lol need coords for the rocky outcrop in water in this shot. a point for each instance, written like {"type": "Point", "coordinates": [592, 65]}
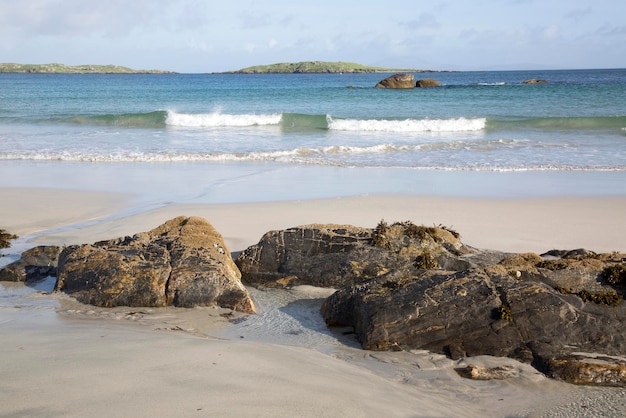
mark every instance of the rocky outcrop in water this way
{"type": "Point", "coordinates": [427, 82]}
{"type": "Point", "coordinates": [535, 81]}
{"type": "Point", "coordinates": [397, 81]}
{"type": "Point", "coordinates": [183, 262]}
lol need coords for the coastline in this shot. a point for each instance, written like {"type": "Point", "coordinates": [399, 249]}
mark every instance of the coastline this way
{"type": "Point", "coordinates": [530, 224]}
{"type": "Point", "coordinates": [62, 358]}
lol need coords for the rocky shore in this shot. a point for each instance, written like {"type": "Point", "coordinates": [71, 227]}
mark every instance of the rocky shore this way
{"type": "Point", "coordinates": [400, 286]}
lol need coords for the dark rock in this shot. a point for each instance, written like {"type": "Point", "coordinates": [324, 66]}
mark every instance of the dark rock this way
{"type": "Point", "coordinates": [427, 82]}
{"type": "Point", "coordinates": [183, 262]}
{"type": "Point", "coordinates": [397, 81]}
{"type": "Point", "coordinates": [515, 308]}
{"type": "Point", "coordinates": [535, 81]}
{"type": "Point", "coordinates": [34, 265]}
{"type": "Point", "coordinates": [341, 255]}
{"type": "Point", "coordinates": [586, 369]}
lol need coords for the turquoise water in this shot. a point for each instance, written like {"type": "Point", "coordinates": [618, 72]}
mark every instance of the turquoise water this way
{"type": "Point", "coordinates": [478, 121]}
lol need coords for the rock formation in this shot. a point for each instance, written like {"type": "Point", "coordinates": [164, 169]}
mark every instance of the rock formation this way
{"type": "Point", "coordinates": [545, 311]}
{"type": "Point", "coordinates": [341, 255]}
{"type": "Point", "coordinates": [535, 81]}
{"type": "Point", "coordinates": [427, 82]}
{"type": "Point", "coordinates": [403, 286]}
{"type": "Point", "coordinates": [183, 262]}
{"type": "Point", "coordinates": [397, 81]}
{"type": "Point", "coordinates": [34, 265]}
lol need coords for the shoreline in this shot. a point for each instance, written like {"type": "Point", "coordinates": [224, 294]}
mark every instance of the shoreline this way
{"type": "Point", "coordinates": [62, 358]}
{"type": "Point", "coordinates": [531, 224]}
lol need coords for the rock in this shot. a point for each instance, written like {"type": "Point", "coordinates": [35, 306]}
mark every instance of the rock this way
{"type": "Point", "coordinates": [403, 286]}
{"type": "Point", "coordinates": [397, 81]}
{"type": "Point", "coordinates": [427, 82]}
{"type": "Point", "coordinates": [183, 262]}
{"type": "Point", "coordinates": [510, 309]}
{"type": "Point", "coordinates": [535, 81]}
{"type": "Point", "coordinates": [341, 255]}
{"type": "Point", "coordinates": [475, 372]}
{"type": "Point", "coordinates": [587, 369]}
{"type": "Point", "coordinates": [34, 265]}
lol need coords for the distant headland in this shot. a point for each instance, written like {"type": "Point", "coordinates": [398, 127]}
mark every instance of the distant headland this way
{"type": "Point", "coordinates": [320, 67]}
{"type": "Point", "coordinates": [73, 69]}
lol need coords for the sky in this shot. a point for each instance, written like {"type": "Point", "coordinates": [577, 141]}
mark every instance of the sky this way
{"type": "Point", "coordinates": [196, 36]}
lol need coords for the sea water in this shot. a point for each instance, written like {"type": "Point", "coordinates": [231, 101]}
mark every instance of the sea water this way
{"type": "Point", "coordinates": [306, 132]}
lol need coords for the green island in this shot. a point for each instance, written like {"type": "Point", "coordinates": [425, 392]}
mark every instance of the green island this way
{"type": "Point", "coordinates": [73, 69]}
{"type": "Point", "coordinates": [319, 67]}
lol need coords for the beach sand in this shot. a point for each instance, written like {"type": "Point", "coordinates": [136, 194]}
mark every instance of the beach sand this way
{"type": "Point", "coordinates": [61, 358]}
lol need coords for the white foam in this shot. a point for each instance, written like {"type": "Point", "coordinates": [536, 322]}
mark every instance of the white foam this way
{"type": "Point", "coordinates": [408, 125]}
{"type": "Point", "coordinates": [379, 148]}
{"type": "Point", "coordinates": [218, 119]}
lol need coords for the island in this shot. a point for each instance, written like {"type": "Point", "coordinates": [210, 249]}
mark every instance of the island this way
{"type": "Point", "coordinates": [74, 69]}
{"type": "Point", "coordinates": [319, 67]}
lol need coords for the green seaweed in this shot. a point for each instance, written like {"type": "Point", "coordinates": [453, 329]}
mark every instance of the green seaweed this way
{"type": "Point", "coordinates": [615, 275]}
{"type": "Point", "coordinates": [379, 238]}
{"type": "Point", "coordinates": [602, 298]}
{"type": "Point", "coordinates": [5, 238]}
{"type": "Point", "coordinates": [608, 298]}
{"type": "Point", "coordinates": [426, 261]}
{"type": "Point", "coordinates": [504, 313]}
{"type": "Point", "coordinates": [554, 265]}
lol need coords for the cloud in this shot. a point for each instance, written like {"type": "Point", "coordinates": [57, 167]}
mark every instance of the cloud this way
{"type": "Point", "coordinates": [551, 32]}
{"type": "Point", "coordinates": [424, 21]}
{"type": "Point", "coordinates": [252, 20]}
{"type": "Point", "coordinates": [607, 30]}
{"type": "Point", "coordinates": [113, 18]}
{"type": "Point", "coordinates": [578, 14]}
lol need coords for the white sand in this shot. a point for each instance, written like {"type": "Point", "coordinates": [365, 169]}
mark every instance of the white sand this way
{"type": "Point", "coordinates": [60, 358]}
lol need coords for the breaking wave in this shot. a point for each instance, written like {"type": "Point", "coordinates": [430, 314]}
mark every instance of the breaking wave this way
{"type": "Point", "coordinates": [294, 122]}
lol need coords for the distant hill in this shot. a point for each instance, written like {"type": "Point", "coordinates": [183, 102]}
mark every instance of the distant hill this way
{"type": "Point", "coordinates": [73, 69]}
{"type": "Point", "coordinates": [318, 67]}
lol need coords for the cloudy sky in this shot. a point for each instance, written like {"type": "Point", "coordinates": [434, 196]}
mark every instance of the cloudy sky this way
{"type": "Point", "coordinates": [213, 36]}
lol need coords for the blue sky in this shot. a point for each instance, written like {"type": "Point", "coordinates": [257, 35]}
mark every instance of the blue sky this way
{"type": "Point", "coordinates": [213, 36]}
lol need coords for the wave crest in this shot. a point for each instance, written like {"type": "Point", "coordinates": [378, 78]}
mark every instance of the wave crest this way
{"type": "Point", "coordinates": [408, 125]}
{"type": "Point", "coordinates": [218, 119]}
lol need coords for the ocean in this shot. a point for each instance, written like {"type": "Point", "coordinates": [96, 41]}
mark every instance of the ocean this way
{"type": "Point", "coordinates": [333, 133]}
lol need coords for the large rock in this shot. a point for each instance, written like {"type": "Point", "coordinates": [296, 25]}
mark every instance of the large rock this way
{"type": "Point", "coordinates": [183, 262]}
{"type": "Point", "coordinates": [427, 82]}
{"type": "Point", "coordinates": [341, 255]}
{"type": "Point", "coordinates": [397, 81]}
{"type": "Point", "coordinates": [548, 311]}
{"type": "Point", "coordinates": [34, 265]}
{"type": "Point", "coordinates": [535, 81]}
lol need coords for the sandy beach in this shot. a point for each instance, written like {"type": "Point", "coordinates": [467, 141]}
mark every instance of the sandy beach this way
{"type": "Point", "coordinates": [61, 358]}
